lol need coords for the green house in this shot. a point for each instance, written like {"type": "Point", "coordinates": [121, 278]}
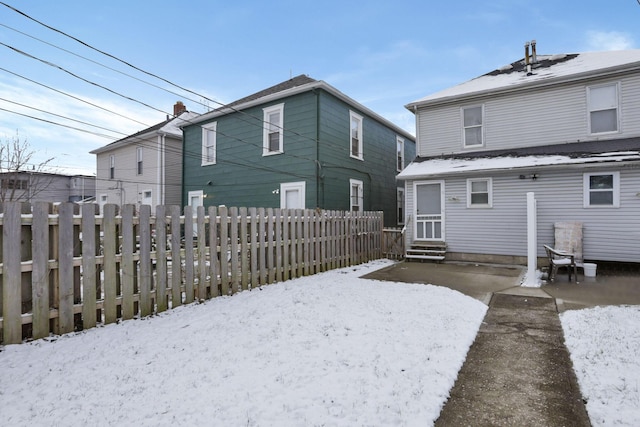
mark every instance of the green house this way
{"type": "Point", "coordinates": [301, 144]}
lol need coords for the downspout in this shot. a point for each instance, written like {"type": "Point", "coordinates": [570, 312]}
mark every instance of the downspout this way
{"type": "Point", "coordinates": [161, 176]}
{"type": "Point", "coordinates": [318, 165]}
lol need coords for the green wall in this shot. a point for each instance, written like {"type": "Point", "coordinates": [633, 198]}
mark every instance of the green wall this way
{"type": "Point", "coordinates": [243, 177]}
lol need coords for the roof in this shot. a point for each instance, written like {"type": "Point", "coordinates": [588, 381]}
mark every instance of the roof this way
{"type": "Point", "coordinates": [548, 69]}
{"type": "Point", "coordinates": [296, 85]}
{"type": "Point", "coordinates": [171, 126]}
{"type": "Point", "coordinates": [592, 152]}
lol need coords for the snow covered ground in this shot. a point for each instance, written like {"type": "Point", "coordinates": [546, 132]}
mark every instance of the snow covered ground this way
{"type": "Point", "coordinates": [604, 343]}
{"type": "Point", "coordinates": [330, 349]}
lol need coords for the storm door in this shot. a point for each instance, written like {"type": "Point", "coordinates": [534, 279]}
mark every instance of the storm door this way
{"type": "Point", "coordinates": [429, 216]}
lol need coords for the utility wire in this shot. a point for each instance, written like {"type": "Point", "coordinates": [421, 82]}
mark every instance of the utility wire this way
{"type": "Point", "coordinates": [72, 96]}
{"type": "Point", "coordinates": [105, 66]}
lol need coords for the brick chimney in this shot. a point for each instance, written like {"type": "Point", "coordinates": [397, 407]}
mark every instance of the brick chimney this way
{"type": "Point", "coordinates": [179, 108]}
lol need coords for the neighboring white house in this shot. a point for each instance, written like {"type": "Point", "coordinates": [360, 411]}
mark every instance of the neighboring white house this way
{"type": "Point", "coordinates": [144, 168]}
{"type": "Point", "coordinates": [31, 186]}
{"type": "Point", "coordinates": [565, 127]}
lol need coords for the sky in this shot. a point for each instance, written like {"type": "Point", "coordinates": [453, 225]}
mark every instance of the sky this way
{"type": "Point", "coordinates": [209, 52]}
{"type": "Point", "coordinates": [328, 349]}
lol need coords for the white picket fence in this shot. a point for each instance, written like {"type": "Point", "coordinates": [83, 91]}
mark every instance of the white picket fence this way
{"type": "Point", "coordinates": [65, 268]}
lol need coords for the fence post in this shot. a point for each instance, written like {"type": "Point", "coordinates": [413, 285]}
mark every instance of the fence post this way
{"type": "Point", "coordinates": [233, 250]}
{"type": "Point", "coordinates": [253, 246]}
{"type": "Point", "coordinates": [214, 265]}
{"type": "Point", "coordinates": [40, 270]}
{"type": "Point", "coordinates": [188, 254]}
{"type": "Point", "coordinates": [128, 264]}
{"type": "Point", "coordinates": [244, 249]}
{"type": "Point", "coordinates": [176, 261]}
{"type": "Point", "coordinates": [109, 253]}
{"type": "Point", "coordinates": [161, 258]}
{"type": "Point", "coordinates": [11, 275]}
{"type": "Point", "coordinates": [89, 268]}
{"type": "Point", "coordinates": [270, 246]}
{"type": "Point", "coordinates": [146, 305]}
{"type": "Point", "coordinates": [202, 253]}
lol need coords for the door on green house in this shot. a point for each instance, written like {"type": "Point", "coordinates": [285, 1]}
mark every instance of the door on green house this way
{"type": "Point", "coordinates": [429, 215]}
{"type": "Point", "coordinates": [292, 195]}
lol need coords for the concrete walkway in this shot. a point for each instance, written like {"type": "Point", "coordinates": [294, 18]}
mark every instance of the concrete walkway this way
{"type": "Point", "coordinates": [518, 371]}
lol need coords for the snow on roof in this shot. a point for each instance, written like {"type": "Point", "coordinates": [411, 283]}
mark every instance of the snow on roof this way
{"type": "Point", "coordinates": [547, 69]}
{"type": "Point", "coordinates": [435, 167]}
{"type": "Point", "coordinates": [173, 126]}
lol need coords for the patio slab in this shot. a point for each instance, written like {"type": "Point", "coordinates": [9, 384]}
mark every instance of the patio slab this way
{"type": "Point", "coordinates": [481, 281]}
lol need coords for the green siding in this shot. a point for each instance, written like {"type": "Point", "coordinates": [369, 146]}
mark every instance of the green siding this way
{"type": "Point", "coordinates": [243, 177]}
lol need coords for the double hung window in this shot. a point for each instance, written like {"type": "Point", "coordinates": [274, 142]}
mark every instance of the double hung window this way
{"type": "Point", "coordinates": [209, 142]}
{"type": "Point", "coordinates": [602, 189]}
{"type": "Point", "coordinates": [472, 126]}
{"type": "Point", "coordinates": [603, 108]}
{"type": "Point", "coordinates": [479, 193]}
{"type": "Point", "coordinates": [356, 195]}
{"type": "Point", "coordinates": [273, 130]}
{"type": "Point", "coordinates": [355, 129]}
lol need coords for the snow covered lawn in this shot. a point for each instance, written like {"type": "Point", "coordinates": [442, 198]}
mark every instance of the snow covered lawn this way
{"type": "Point", "coordinates": [604, 343]}
{"type": "Point", "coordinates": [330, 349]}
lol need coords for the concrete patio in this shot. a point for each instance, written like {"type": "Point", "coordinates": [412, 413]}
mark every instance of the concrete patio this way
{"type": "Point", "coordinates": [611, 286]}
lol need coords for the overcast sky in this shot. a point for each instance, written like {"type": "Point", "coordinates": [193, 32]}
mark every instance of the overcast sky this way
{"type": "Point", "coordinates": [383, 54]}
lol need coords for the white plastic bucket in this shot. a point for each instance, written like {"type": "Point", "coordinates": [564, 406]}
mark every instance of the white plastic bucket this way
{"type": "Point", "coordinates": [590, 269]}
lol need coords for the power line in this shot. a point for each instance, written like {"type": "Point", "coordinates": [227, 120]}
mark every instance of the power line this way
{"type": "Point", "coordinates": [104, 66]}
{"type": "Point", "coordinates": [72, 96]}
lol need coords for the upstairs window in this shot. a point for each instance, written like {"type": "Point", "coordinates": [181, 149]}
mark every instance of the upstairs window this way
{"type": "Point", "coordinates": [399, 154]}
{"type": "Point", "coordinates": [273, 127]}
{"type": "Point", "coordinates": [357, 195]}
{"type": "Point", "coordinates": [472, 120]}
{"type": "Point", "coordinates": [209, 136]}
{"type": "Point", "coordinates": [479, 193]}
{"type": "Point", "coordinates": [112, 166]}
{"type": "Point", "coordinates": [603, 108]}
{"type": "Point", "coordinates": [139, 160]}
{"type": "Point", "coordinates": [355, 129]}
{"type": "Point", "coordinates": [602, 189]}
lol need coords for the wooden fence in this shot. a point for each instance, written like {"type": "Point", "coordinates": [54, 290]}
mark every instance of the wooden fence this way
{"type": "Point", "coordinates": [64, 268]}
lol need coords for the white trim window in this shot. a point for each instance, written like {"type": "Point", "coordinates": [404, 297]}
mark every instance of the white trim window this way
{"type": "Point", "coordinates": [400, 205]}
{"type": "Point", "coordinates": [602, 190]}
{"type": "Point", "coordinates": [102, 200]}
{"type": "Point", "coordinates": [112, 167]}
{"type": "Point", "coordinates": [139, 161]}
{"type": "Point", "coordinates": [479, 193]}
{"type": "Point", "coordinates": [356, 195]}
{"type": "Point", "coordinates": [355, 136]}
{"type": "Point", "coordinates": [399, 153]}
{"type": "Point", "coordinates": [209, 143]}
{"type": "Point", "coordinates": [472, 126]}
{"type": "Point", "coordinates": [273, 139]}
{"type": "Point", "coordinates": [603, 105]}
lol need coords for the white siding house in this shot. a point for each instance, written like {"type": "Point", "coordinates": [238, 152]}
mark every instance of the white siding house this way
{"type": "Point", "coordinates": [144, 168]}
{"type": "Point", "coordinates": [565, 127]}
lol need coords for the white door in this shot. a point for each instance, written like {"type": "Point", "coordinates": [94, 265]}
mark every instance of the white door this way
{"type": "Point", "coordinates": [429, 215]}
{"type": "Point", "coordinates": [195, 199]}
{"type": "Point", "coordinates": [292, 195]}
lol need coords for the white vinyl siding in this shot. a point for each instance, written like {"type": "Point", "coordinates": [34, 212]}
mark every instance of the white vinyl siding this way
{"type": "Point", "coordinates": [609, 234]}
{"type": "Point", "coordinates": [355, 132]}
{"type": "Point", "coordinates": [209, 143]}
{"type": "Point", "coordinates": [603, 108]}
{"type": "Point", "coordinates": [273, 138]}
{"type": "Point", "coordinates": [544, 116]}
